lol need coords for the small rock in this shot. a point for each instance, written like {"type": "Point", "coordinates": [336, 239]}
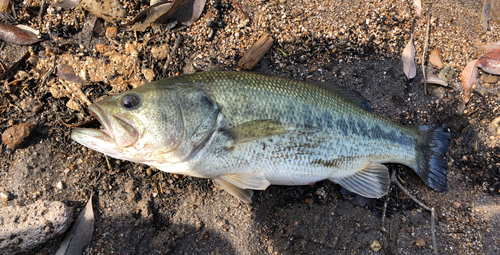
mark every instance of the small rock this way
{"type": "Point", "coordinates": [73, 105]}
{"type": "Point", "coordinates": [243, 23]}
{"type": "Point", "coordinates": [149, 75]}
{"type": "Point", "coordinates": [60, 185]}
{"type": "Point", "coordinates": [17, 135]}
{"type": "Point", "coordinates": [111, 32]}
{"type": "Point", "coordinates": [160, 52]}
{"type": "Point", "coordinates": [490, 79]}
{"type": "Point", "coordinates": [420, 242]}
{"type": "Point", "coordinates": [109, 10]}
{"type": "Point", "coordinates": [26, 227]}
{"type": "Point", "coordinates": [5, 196]}
{"type": "Point", "coordinates": [375, 246]}
{"type": "Point", "coordinates": [309, 201]}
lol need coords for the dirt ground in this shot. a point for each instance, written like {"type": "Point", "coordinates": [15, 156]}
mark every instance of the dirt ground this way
{"type": "Point", "coordinates": [357, 44]}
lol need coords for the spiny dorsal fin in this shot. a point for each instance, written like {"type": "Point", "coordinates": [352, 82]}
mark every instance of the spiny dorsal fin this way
{"type": "Point", "coordinates": [350, 95]}
{"type": "Point", "coordinates": [372, 181]}
{"type": "Point", "coordinates": [256, 129]}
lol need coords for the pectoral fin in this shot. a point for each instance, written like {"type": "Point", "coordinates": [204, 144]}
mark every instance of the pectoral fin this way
{"type": "Point", "coordinates": [241, 185]}
{"type": "Point", "coordinates": [254, 130]}
{"type": "Point", "coordinates": [372, 181]}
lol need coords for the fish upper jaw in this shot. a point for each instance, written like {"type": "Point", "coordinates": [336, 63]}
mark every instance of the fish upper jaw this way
{"type": "Point", "coordinates": [118, 129]}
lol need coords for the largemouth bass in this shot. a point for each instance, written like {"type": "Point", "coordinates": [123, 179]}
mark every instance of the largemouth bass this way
{"type": "Point", "coordinates": [247, 131]}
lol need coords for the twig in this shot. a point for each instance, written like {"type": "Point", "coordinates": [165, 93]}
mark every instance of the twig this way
{"type": "Point", "coordinates": [433, 215]}
{"type": "Point", "coordinates": [384, 210]}
{"type": "Point", "coordinates": [395, 180]}
{"type": "Point", "coordinates": [425, 48]}
{"type": "Point", "coordinates": [241, 9]}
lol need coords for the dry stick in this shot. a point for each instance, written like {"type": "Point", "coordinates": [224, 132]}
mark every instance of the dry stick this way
{"type": "Point", "coordinates": [425, 47]}
{"type": "Point", "coordinates": [384, 210]}
{"type": "Point", "coordinates": [394, 179]}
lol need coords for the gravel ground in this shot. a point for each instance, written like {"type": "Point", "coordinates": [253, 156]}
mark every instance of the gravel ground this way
{"type": "Point", "coordinates": [357, 44]}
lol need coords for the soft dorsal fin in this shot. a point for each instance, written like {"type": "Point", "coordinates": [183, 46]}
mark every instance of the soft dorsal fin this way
{"type": "Point", "coordinates": [256, 129]}
{"type": "Point", "coordinates": [371, 181]}
{"type": "Point", "coordinates": [350, 95]}
{"type": "Point", "coordinates": [241, 185]}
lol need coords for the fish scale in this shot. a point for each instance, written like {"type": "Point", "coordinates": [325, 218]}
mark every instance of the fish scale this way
{"type": "Point", "coordinates": [248, 130]}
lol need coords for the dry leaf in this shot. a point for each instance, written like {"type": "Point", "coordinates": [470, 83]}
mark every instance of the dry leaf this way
{"type": "Point", "coordinates": [190, 12]}
{"type": "Point", "coordinates": [433, 79]}
{"type": "Point", "coordinates": [469, 77]}
{"type": "Point", "coordinates": [17, 35]}
{"type": "Point", "coordinates": [435, 59]}
{"type": "Point", "coordinates": [80, 233]}
{"type": "Point", "coordinates": [418, 7]}
{"type": "Point", "coordinates": [67, 73]}
{"type": "Point", "coordinates": [490, 62]}
{"type": "Point", "coordinates": [409, 65]}
{"type": "Point", "coordinates": [485, 16]}
{"type": "Point", "coordinates": [487, 46]}
{"type": "Point", "coordinates": [157, 14]}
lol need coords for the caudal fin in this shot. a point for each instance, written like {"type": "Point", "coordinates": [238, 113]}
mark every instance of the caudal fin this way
{"type": "Point", "coordinates": [431, 165]}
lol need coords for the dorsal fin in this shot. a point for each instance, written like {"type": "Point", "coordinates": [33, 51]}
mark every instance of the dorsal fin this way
{"type": "Point", "coordinates": [350, 95]}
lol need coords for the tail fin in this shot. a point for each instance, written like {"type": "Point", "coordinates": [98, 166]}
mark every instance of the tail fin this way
{"type": "Point", "coordinates": [431, 165]}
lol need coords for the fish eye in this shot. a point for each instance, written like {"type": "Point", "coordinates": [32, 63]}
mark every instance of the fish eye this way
{"type": "Point", "coordinates": [130, 101]}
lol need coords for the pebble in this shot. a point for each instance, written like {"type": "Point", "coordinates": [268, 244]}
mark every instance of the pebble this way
{"type": "Point", "coordinates": [25, 227]}
{"type": "Point", "coordinates": [111, 32]}
{"type": "Point", "coordinates": [490, 79]}
{"type": "Point", "coordinates": [17, 135]}
{"type": "Point", "coordinates": [420, 242]}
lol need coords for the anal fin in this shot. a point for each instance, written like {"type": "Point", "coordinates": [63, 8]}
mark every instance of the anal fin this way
{"type": "Point", "coordinates": [241, 185]}
{"type": "Point", "coordinates": [371, 181]}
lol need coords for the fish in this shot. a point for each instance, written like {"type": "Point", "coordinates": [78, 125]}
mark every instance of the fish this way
{"type": "Point", "coordinates": [247, 131]}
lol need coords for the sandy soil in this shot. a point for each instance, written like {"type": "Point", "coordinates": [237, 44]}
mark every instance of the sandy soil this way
{"type": "Point", "coordinates": [357, 44]}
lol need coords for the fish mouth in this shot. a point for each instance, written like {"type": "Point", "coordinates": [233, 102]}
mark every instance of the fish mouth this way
{"type": "Point", "coordinates": [117, 132]}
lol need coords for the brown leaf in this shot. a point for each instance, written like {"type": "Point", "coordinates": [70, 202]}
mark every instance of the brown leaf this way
{"type": "Point", "coordinates": [490, 62]}
{"type": "Point", "coordinates": [409, 66]}
{"type": "Point", "coordinates": [80, 233]}
{"type": "Point", "coordinates": [67, 73]}
{"type": "Point", "coordinates": [16, 35]}
{"type": "Point", "coordinates": [418, 7]}
{"type": "Point", "coordinates": [485, 16]}
{"type": "Point", "coordinates": [433, 79]}
{"type": "Point", "coordinates": [190, 12]}
{"type": "Point", "coordinates": [156, 14]}
{"type": "Point", "coordinates": [469, 77]}
{"type": "Point", "coordinates": [435, 59]}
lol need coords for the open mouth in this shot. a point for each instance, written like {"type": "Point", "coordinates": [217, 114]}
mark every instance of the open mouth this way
{"type": "Point", "coordinates": [116, 128]}
{"type": "Point", "coordinates": [98, 113]}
